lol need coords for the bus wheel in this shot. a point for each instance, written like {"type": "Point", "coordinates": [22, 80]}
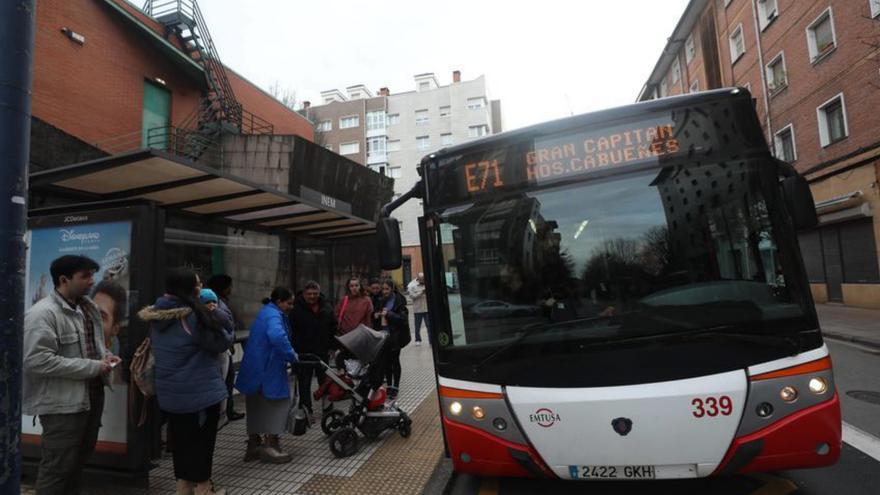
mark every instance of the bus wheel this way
{"type": "Point", "coordinates": [332, 422]}
{"type": "Point", "coordinates": [344, 442]}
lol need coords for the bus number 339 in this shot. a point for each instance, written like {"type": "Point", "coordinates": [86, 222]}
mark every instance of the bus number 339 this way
{"type": "Point", "coordinates": [712, 406]}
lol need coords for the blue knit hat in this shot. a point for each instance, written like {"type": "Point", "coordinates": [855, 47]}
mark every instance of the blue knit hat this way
{"type": "Point", "coordinates": [207, 296]}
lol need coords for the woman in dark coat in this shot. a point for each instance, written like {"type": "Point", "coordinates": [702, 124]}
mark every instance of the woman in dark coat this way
{"type": "Point", "coordinates": [186, 340]}
{"type": "Point", "coordinates": [394, 319]}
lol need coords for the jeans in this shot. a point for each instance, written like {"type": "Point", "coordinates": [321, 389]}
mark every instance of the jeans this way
{"type": "Point", "coordinates": [420, 317]}
{"type": "Point", "coordinates": [67, 442]}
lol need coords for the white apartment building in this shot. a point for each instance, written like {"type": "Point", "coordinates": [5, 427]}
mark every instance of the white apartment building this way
{"type": "Point", "coordinates": [411, 125]}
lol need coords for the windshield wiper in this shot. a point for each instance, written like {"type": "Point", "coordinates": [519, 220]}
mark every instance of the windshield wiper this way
{"type": "Point", "coordinates": [788, 343]}
{"type": "Point", "coordinates": [530, 330]}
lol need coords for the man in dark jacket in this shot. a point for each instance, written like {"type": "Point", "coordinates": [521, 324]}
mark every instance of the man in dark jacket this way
{"type": "Point", "coordinates": [313, 324]}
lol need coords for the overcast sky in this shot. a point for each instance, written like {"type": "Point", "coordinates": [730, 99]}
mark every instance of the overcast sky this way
{"type": "Point", "coordinates": [543, 60]}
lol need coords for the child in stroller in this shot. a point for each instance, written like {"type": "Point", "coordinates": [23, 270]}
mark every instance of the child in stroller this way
{"type": "Point", "coordinates": [369, 412]}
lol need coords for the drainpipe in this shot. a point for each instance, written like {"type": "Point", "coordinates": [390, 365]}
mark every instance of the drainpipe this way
{"type": "Point", "coordinates": [16, 74]}
{"type": "Point", "coordinates": [763, 74]}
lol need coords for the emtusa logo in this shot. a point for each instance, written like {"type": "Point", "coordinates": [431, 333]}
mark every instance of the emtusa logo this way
{"type": "Point", "coordinates": [544, 417]}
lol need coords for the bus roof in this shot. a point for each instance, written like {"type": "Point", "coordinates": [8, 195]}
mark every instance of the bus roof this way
{"type": "Point", "coordinates": [597, 117]}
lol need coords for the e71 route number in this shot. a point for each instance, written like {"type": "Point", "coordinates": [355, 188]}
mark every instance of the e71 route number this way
{"type": "Point", "coordinates": [712, 406]}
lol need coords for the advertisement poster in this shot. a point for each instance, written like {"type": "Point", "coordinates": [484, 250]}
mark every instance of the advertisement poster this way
{"type": "Point", "coordinates": [109, 244]}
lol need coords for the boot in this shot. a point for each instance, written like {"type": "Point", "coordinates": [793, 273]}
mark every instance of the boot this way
{"type": "Point", "coordinates": [207, 488]}
{"type": "Point", "coordinates": [254, 448]}
{"type": "Point", "coordinates": [185, 487]}
{"type": "Point", "coordinates": [272, 452]}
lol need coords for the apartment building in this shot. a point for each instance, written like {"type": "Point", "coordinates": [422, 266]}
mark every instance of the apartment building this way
{"type": "Point", "coordinates": [390, 133]}
{"type": "Point", "coordinates": [813, 70]}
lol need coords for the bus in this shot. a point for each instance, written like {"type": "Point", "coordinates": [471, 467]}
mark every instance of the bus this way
{"type": "Point", "coordinates": [620, 295]}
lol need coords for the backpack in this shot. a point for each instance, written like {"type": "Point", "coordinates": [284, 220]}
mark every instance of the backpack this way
{"type": "Point", "coordinates": [143, 378]}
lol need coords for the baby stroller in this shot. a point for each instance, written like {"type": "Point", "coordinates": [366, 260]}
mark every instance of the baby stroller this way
{"type": "Point", "coordinates": [369, 413]}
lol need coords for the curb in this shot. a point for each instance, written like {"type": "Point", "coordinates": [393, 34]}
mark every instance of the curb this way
{"type": "Point", "coordinates": [872, 343]}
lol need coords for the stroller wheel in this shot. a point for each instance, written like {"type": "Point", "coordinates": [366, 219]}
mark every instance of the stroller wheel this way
{"type": "Point", "coordinates": [332, 421]}
{"type": "Point", "coordinates": [404, 427]}
{"type": "Point", "coordinates": [344, 442]}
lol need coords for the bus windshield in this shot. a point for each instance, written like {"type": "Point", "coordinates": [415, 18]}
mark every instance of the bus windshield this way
{"type": "Point", "coordinates": [586, 284]}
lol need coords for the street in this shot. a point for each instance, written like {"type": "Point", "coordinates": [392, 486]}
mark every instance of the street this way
{"type": "Point", "coordinates": [856, 368]}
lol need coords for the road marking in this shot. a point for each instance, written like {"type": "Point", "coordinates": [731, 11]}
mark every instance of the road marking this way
{"type": "Point", "coordinates": [489, 486]}
{"type": "Point", "coordinates": [774, 485]}
{"type": "Point", "coordinates": [867, 443]}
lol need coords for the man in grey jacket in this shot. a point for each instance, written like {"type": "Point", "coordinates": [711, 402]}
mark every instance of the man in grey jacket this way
{"type": "Point", "coordinates": [416, 290]}
{"type": "Point", "coordinates": [65, 371]}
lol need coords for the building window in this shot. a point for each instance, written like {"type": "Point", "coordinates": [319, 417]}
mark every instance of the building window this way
{"type": "Point", "coordinates": [821, 39]}
{"type": "Point", "coordinates": [664, 90]}
{"type": "Point", "coordinates": [376, 120]}
{"type": "Point", "coordinates": [676, 70]}
{"type": "Point", "coordinates": [690, 49]}
{"type": "Point", "coordinates": [394, 145]}
{"type": "Point", "coordinates": [376, 145]}
{"type": "Point", "coordinates": [832, 121]}
{"type": "Point", "coordinates": [776, 75]}
{"type": "Point", "coordinates": [329, 147]}
{"type": "Point", "coordinates": [476, 103]}
{"type": "Point", "coordinates": [784, 144]}
{"type": "Point", "coordinates": [875, 7]}
{"type": "Point", "coordinates": [393, 119]}
{"type": "Point", "coordinates": [349, 122]}
{"type": "Point", "coordinates": [423, 143]}
{"type": "Point", "coordinates": [325, 126]}
{"type": "Point", "coordinates": [445, 139]}
{"type": "Point", "coordinates": [393, 172]}
{"type": "Point", "coordinates": [349, 148]}
{"type": "Point", "coordinates": [424, 86]}
{"type": "Point", "coordinates": [421, 117]}
{"type": "Point", "coordinates": [446, 111]}
{"type": "Point", "coordinates": [737, 44]}
{"type": "Point", "coordinates": [355, 96]}
{"type": "Point", "coordinates": [478, 130]}
{"type": "Point", "coordinates": [695, 86]}
{"type": "Point", "coordinates": [767, 12]}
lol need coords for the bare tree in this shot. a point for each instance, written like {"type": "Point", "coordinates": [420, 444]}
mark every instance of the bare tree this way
{"type": "Point", "coordinates": [285, 95]}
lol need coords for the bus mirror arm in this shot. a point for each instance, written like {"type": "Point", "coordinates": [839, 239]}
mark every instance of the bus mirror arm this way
{"type": "Point", "coordinates": [798, 197]}
{"type": "Point", "coordinates": [388, 230]}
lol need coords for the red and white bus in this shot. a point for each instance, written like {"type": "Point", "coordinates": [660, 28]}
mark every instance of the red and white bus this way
{"type": "Point", "coordinates": [620, 295]}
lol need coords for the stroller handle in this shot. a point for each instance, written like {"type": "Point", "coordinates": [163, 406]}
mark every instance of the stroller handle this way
{"type": "Point", "coordinates": [308, 358]}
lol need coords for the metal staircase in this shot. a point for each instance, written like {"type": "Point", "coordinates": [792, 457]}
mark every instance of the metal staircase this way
{"type": "Point", "coordinates": [182, 18]}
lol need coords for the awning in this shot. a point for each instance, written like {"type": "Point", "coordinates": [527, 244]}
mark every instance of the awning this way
{"type": "Point", "coordinates": [192, 189]}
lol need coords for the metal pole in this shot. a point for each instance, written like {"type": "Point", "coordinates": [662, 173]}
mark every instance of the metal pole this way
{"type": "Point", "coordinates": [16, 73]}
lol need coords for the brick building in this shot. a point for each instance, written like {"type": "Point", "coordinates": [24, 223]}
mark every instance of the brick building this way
{"type": "Point", "coordinates": [812, 67]}
{"type": "Point", "coordinates": [390, 133]}
{"type": "Point", "coordinates": [112, 79]}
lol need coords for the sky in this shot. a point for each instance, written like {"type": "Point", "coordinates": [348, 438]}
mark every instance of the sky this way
{"type": "Point", "coordinates": [544, 60]}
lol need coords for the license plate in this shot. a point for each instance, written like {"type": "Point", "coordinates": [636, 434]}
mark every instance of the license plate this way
{"type": "Point", "coordinates": [612, 472]}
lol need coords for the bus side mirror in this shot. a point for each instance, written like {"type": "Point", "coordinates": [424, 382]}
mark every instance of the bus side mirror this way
{"type": "Point", "coordinates": [799, 200]}
{"type": "Point", "coordinates": [388, 231]}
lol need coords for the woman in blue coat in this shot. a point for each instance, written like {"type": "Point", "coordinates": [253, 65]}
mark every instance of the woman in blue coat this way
{"type": "Point", "coordinates": [262, 378]}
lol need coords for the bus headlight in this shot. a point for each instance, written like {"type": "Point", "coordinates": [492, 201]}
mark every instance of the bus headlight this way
{"type": "Point", "coordinates": [478, 413]}
{"type": "Point", "coordinates": [788, 393]}
{"type": "Point", "coordinates": [818, 385]}
{"type": "Point", "coordinates": [455, 408]}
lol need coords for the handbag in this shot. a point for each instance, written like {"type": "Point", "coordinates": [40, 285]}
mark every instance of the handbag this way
{"type": "Point", "coordinates": [142, 378]}
{"type": "Point", "coordinates": [297, 418]}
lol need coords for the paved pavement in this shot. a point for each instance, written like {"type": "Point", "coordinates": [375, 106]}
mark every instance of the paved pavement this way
{"type": "Point", "coordinates": [858, 325]}
{"type": "Point", "coordinates": [389, 465]}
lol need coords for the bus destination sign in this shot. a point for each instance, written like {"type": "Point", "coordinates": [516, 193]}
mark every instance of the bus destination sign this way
{"type": "Point", "coordinates": [570, 155]}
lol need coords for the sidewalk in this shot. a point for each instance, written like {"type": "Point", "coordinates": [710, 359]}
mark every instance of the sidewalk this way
{"type": "Point", "coordinates": [390, 465]}
{"type": "Point", "coordinates": [858, 325]}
